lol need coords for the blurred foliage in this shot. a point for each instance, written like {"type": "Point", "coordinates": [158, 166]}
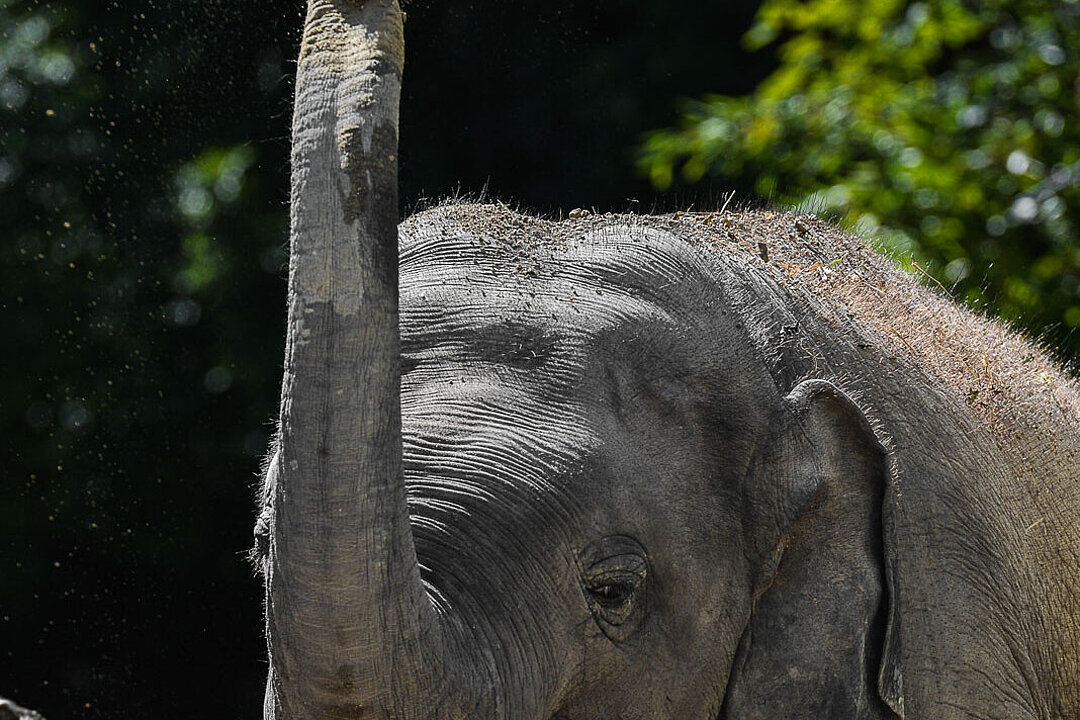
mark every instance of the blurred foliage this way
{"type": "Point", "coordinates": [143, 221]}
{"type": "Point", "coordinates": [140, 250]}
{"type": "Point", "coordinates": [946, 129]}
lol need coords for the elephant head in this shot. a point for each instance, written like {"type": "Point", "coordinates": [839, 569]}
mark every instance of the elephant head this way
{"type": "Point", "coordinates": [570, 488]}
{"type": "Point", "coordinates": [603, 475]}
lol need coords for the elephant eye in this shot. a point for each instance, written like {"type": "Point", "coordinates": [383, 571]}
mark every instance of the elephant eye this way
{"type": "Point", "coordinates": [613, 579]}
{"type": "Point", "coordinates": [612, 594]}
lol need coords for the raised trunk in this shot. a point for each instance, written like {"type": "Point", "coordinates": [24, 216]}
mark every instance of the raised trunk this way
{"type": "Point", "coordinates": [346, 610]}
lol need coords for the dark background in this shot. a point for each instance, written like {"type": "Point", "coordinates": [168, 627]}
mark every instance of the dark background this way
{"type": "Point", "coordinates": [143, 218]}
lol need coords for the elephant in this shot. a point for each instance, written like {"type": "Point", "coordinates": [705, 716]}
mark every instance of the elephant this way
{"type": "Point", "coordinates": [720, 465]}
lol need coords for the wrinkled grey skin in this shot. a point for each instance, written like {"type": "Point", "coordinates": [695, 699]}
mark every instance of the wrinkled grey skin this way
{"type": "Point", "coordinates": [615, 380]}
{"type": "Point", "coordinates": [599, 423]}
{"type": "Point", "coordinates": [608, 472]}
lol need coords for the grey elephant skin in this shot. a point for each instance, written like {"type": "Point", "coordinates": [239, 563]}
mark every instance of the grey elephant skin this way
{"type": "Point", "coordinates": [709, 465]}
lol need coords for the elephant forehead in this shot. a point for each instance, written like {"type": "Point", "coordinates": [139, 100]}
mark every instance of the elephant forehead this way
{"type": "Point", "coordinates": [472, 435]}
{"type": "Point", "coordinates": [466, 295]}
{"type": "Point", "coordinates": [530, 357]}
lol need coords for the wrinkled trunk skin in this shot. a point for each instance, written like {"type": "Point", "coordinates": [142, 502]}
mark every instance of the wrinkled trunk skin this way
{"type": "Point", "coordinates": [350, 629]}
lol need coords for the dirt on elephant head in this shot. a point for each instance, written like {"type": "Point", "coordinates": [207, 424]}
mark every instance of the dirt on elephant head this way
{"type": "Point", "coordinates": [1026, 399]}
{"type": "Point", "coordinates": [1010, 383]}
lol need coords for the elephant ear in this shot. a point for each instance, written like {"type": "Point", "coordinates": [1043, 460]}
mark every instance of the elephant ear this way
{"type": "Point", "coordinates": [823, 638]}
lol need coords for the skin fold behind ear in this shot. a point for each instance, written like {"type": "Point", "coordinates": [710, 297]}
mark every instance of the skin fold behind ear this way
{"type": "Point", "coordinates": [822, 640]}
